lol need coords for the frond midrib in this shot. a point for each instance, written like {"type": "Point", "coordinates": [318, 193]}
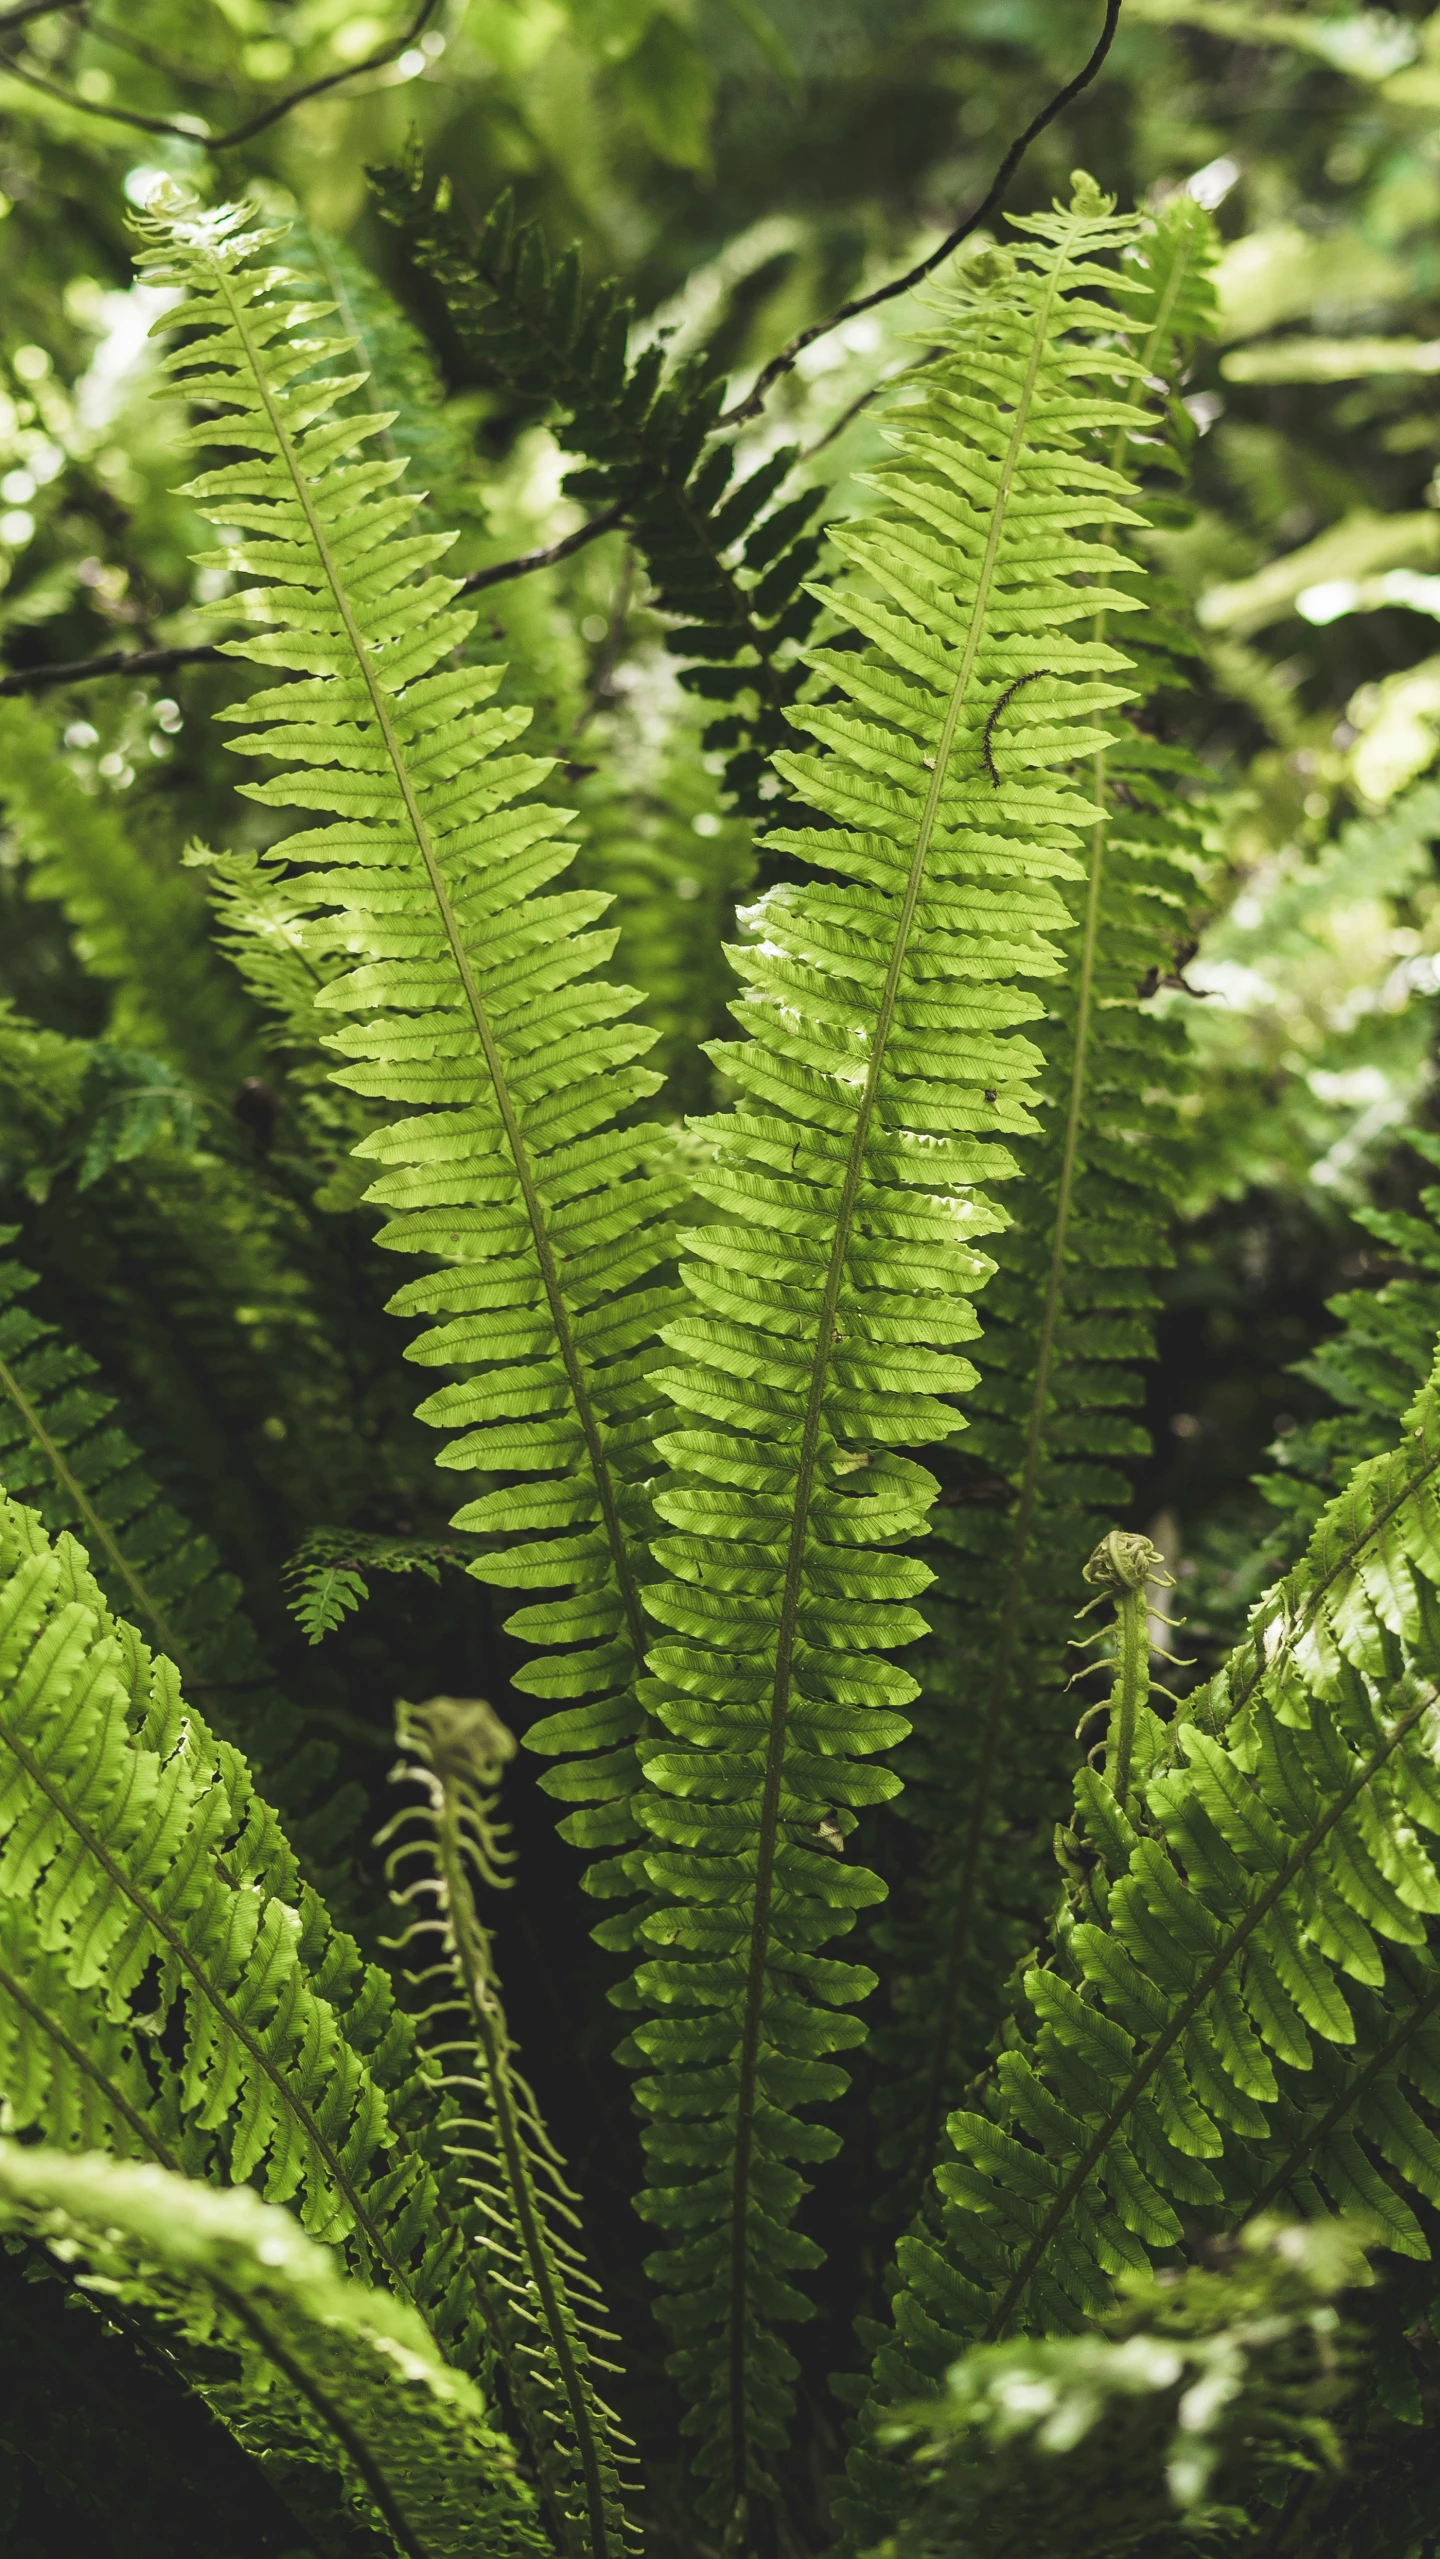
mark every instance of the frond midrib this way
{"type": "Point", "coordinates": [75, 2053]}
{"type": "Point", "coordinates": [534, 2237]}
{"type": "Point", "coordinates": [97, 1526]}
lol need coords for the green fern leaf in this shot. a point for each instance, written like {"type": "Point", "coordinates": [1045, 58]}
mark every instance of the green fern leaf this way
{"type": "Point", "coordinates": [61, 1449]}
{"type": "Point", "coordinates": [479, 1014]}
{"type": "Point", "coordinates": [730, 559]}
{"type": "Point", "coordinates": [324, 2370]}
{"type": "Point", "coordinates": [882, 1068]}
{"type": "Point", "coordinates": [1241, 2001]}
{"type": "Point", "coordinates": [327, 1573]}
{"type": "Point", "coordinates": [1068, 1329]}
{"type": "Point", "coordinates": [137, 925]}
{"type": "Point", "coordinates": [161, 1894]}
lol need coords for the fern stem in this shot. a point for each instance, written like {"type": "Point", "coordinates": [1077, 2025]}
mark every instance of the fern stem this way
{"type": "Point", "coordinates": [473, 1958]}
{"type": "Point", "coordinates": [328, 2409]}
{"type": "Point", "coordinates": [289, 2101]}
{"type": "Point", "coordinates": [998, 1699]}
{"type": "Point", "coordinates": [85, 1510]}
{"type": "Point", "coordinates": [80, 2060]}
{"type": "Point", "coordinates": [1190, 2006]}
{"type": "Point", "coordinates": [826, 1334]}
{"type": "Point", "coordinates": [495, 1064]}
{"type": "Point", "coordinates": [1349, 2097]}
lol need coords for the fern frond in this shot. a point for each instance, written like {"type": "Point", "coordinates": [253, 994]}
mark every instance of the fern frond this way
{"type": "Point", "coordinates": [62, 1450]}
{"type": "Point", "coordinates": [1194, 2408]}
{"type": "Point", "coordinates": [730, 559]}
{"type": "Point", "coordinates": [327, 1573]}
{"type": "Point", "coordinates": [1369, 1370]}
{"type": "Point", "coordinates": [882, 1065]}
{"type": "Point", "coordinates": [312, 2367]}
{"type": "Point", "coordinates": [165, 1900]}
{"type": "Point", "coordinates": [479, 1016]}
{"type": "Point", "coordinates": [446, 1846]}
{"type": "Point", "coordinates": [1242, 2002]}
{"type": "Point", "coordinates": [1069, 1321]}
{"type": "Point", "coordinates": [138, 924]}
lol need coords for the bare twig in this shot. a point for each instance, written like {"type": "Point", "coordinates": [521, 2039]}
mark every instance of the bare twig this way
{"type": "Point", "coordinates": [546, 559]}
{"type": "Point", "coordinates": [28, 9]}
{"type": "Point", "coordinates": [43, 679]}
{"type": "Point", "coordinates": [186, 132]}
{"type": "Point", "coordinates": [782, 363]}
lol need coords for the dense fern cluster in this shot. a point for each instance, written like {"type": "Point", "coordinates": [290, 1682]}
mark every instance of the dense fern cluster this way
{"type": "Point", "coordinates": [796, 1433]}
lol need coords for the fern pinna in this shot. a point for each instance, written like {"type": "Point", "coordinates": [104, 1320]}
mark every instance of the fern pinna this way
{"type": "Point", "coordinates": [480, 1017]}
{"type": "Point", "coordinates": [880, 1072]}
{"type": "Point", "coordinates": [1241, 2000]}
{"type": "Point", "coordinates": [728, 560]}
{"type": "Point", "coordinates": [1068, 1325]}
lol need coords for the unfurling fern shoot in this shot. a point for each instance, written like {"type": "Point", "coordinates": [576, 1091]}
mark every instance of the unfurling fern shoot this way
{"type": "Point", "coordinates": [545, 2302]}
{"type": "Point", "coordinates": [881, 1072]}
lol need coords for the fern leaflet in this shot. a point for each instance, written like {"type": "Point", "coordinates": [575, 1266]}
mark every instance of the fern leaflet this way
{"type": "Point", "coordinates": [1068, 1322]}
{"type": "Point", "coordinates": [1242, 2002]}
{"type": "Point", "coordinates": [158, 1882]}
{"type": "Point", "coordinates": [61, 1449]}
{"type": "Point", "coordinates": [727, 559]}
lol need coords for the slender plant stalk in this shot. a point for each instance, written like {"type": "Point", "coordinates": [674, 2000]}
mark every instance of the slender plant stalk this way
{"type": "Point", "coordinates": [810, 1435]}
{"type": "Point", "coordinates": [472, 1955]}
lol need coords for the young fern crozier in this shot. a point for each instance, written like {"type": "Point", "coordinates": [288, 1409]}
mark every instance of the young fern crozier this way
{"type": "Point", "coordinates": [547, 2303]}
{"type": "Point", "coordinates": [880, 1072]}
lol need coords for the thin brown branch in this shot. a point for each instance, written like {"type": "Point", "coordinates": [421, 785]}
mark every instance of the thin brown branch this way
{"type": "Point", "coordinates": [43, 679]}
{"type": "Point", "coordinates": [784, 362]}
{"type": "Point", "coordinates": [187, 131]}
{"type": "Point", "coordinates": [504, 570]}
{"type": "Point", "coordinates": [29, 9]}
